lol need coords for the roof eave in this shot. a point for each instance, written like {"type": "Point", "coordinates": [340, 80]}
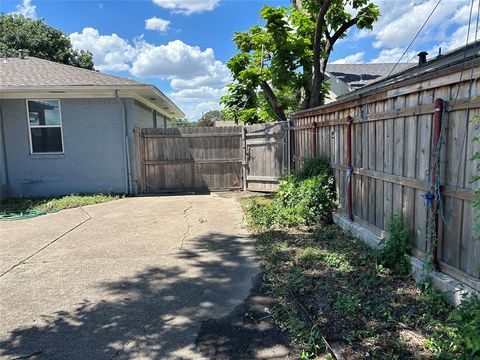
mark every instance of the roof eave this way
{"type": "Point", "coordinates": [143, 93]}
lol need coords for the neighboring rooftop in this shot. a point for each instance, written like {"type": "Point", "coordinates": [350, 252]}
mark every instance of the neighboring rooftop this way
{"type": "Point", "coordinates": [360, 75]}
{"type": "Point", "coordinates": [35, 72]}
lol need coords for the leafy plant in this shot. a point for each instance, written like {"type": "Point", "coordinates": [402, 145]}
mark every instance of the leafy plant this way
{"type": "Point", "coordinates": [394, 250]}
{"type": "Point", "coordinates": [304, 198]}
{"type": "Point", "coordinates": [313, 166]}
{"type": "Point", "coordinates": [459, 336]}
{"type": "Point", "coordinates": [280, 64]}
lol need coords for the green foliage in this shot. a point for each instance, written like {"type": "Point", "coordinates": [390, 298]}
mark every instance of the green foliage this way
{"type": "Point", "coordinates": [272, 70]}
{"type": "Point", "coordinates": [312, 167]}
{"type": "Point", "coordinates": [208, 119]}
{"type": "Point", "coordinates": [17, 205]}
{"type": "Point", "coordinates": [459, 336]}
{"type": "Point", "coordinates": [297, 202]}
{"type": "Point", "coordinates": [394, 250]}
{"type": "Point", "coordinates": [346, 303]}
{"type": "Point", "coordinates": [182, 123]}
{"type": "Point", "coordinates": [41, 40]}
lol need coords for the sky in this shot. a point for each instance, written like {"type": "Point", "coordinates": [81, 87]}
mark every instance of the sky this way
{"type": "Point", "coordinates": [181, 46]}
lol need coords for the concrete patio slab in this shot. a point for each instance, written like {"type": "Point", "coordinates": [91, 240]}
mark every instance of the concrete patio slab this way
{"type": "Point", "coordinates": [132, 278]}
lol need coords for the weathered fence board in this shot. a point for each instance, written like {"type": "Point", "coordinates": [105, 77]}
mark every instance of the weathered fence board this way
{"type": "Point", "coordinates": [184, 159]}
{"type": "Point", "coordinates": [265, 155]}
{"type": "Point", "coordinates": [392, 136]}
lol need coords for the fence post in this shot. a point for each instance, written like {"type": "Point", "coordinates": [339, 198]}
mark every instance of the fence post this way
{"type": "Point", "coordinates": [349, 167]}
{"type": "Point", "coordinates": [292, 148]}
{"type": "Point", "coordinates": [140, 160]}
{"type": "Point", "coordinates": [435, 177]}
{"type": "Point", "coordinates": [244, 160]}
{"type": "Point", "coordinates": [314, 139]}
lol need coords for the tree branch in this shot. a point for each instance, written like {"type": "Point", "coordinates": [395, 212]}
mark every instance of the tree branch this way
{"type": "Point", "coordinates": [341, 30]}
{"type": "Point", "coordinates": [272, 99]}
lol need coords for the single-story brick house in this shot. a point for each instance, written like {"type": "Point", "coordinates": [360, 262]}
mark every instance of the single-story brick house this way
{"type": "Point", "coordinates": [66, 130]}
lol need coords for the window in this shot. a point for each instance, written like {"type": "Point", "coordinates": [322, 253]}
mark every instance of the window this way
{"type": "Point", "coordinates": [45, 126]}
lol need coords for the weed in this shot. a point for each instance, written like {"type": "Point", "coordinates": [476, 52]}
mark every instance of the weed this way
{"type": "Point", "coordinates": [393, 252]}
{"type": "Point", "coordinates": [18, 205]}
{"type": "Point", "coordinates": [346, 303]}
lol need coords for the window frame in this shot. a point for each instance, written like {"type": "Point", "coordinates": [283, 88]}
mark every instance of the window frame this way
{"type": "Point", "coordinates": [30, 127]}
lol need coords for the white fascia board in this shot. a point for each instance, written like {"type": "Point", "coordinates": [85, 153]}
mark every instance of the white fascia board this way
{"type": "Point", "coordinates": [142, 93]}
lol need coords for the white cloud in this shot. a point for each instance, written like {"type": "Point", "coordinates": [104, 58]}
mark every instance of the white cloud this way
{"type": "Point", "coordinates": [187, 7]}
{"type": "Point", "coordinates": [351, 59]}
{"type": "Point", "coordinates": [196, 77]}
{"type": "Point", "coordinates": [392, 56]}
{"type": "Point", "coordinates": [175, 60]}
{"type": "Point", "coordinates": [27, 9]}
{"type": "Point", "coordinates": [110, 52]}
{"type": "Point", "coordinates": [158, 24]}
{"type": "Point", "coordinates": [202, 92]}
{"type": "Point", "coordinates": [401, 20]}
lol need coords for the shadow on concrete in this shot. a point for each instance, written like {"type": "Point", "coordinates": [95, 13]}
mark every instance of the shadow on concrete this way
{"type": "Point", "coordinates": [154, 314]}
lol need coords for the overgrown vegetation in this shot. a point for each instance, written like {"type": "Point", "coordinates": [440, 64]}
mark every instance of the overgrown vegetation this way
{"type": "Point", "coordinates": [333, 290]}
{"type": "Point", "coordinates": [337, 295]}
{"type": "Point", "coordinates": [305, 198]}
{"type": "Point", "coordinates": [24, 205]}
{"type": "Point", "coordinates": [394, 250]}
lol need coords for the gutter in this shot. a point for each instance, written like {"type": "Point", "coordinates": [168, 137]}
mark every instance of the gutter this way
{"type": "Point", "coordinates": [128, 171]}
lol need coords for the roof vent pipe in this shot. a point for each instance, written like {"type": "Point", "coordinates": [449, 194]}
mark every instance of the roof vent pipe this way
{"type": "Point", "coordinates": [422, 58]}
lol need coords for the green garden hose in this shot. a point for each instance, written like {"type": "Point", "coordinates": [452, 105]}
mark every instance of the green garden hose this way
{"type": "Point", "coordinates": [25, 214]}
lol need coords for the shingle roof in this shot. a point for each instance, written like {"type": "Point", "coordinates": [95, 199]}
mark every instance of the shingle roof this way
{"type": "Point", "coordinates": [34, 72]}
{"type": "Point", "coordinates": [360, 75]}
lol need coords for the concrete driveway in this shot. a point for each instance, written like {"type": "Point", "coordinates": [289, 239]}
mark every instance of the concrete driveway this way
{"type": "Point", "coordinates": [132, 278]}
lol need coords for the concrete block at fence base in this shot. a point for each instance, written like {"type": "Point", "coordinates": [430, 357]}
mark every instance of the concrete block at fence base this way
{"type": "Point", "coordinates": [455, 290]}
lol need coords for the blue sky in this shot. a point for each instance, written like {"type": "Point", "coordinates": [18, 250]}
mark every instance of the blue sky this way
{"type": "Point", "coordinates": [181, 46]}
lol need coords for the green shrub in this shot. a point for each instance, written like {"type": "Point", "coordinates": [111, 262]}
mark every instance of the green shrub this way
{"type": "Point", "coordinates": [459, 336]}
{"type": "Point", "coordinates": [306, 198]}
{"type": "Point", "coordinates": [313, 167]}
{"type": "Point", "coordinates": [393, 252]}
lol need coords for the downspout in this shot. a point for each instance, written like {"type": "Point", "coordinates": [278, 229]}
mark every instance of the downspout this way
{"type": "Point", "coordinates": [128, 172]}
{"type": "Point", "coordinates": [435, 167]}
{"type": "Point", "coordinates": [4, 147]}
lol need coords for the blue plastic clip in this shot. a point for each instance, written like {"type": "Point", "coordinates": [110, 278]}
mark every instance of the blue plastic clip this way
{"type": "Point", "coordinates": [428, 198]}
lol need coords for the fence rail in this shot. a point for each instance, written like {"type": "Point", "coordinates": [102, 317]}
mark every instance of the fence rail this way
{"type": "Point", "coordinates": [392, 152]}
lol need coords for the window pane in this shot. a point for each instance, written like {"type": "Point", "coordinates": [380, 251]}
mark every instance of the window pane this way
{"type": "Point", "coordinates": [46, 139]}
{"type": "Point", "coordinates": [44, 112]}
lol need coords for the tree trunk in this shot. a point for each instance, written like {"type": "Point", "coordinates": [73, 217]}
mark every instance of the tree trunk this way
{"type": "Point", "coordinates": [318, 76]}
{"type": "Point", "coordinates": [272, 99]}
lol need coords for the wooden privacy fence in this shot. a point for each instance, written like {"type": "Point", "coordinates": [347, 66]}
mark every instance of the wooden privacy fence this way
{"type": "Point", "coordinates": [393, 131]}
{"type": "Point", "coordinates": [184, 159]}
{"type": "Point", "coordinates": [266, 155]}
{"type": "Point", "coordinates": [210, 158]}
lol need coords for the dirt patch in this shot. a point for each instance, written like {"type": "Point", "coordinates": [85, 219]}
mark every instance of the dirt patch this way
{"type": "Point", "coordinates": [248, 332]}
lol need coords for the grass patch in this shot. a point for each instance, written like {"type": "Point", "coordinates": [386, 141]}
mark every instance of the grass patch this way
{"type": "Point", "coordinates": [331, 286]}
{"type": "Point", "coordinates": [24, 205]}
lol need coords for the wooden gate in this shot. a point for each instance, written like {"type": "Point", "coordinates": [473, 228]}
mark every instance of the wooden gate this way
{"type": "Point", "coordinates": [188, 159]}
{"type": "Point", "coordinates": [266, 155]}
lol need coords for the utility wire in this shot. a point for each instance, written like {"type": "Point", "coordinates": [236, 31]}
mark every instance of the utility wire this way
{"type": "Point", "coordinates": [446, 218]}
{"type": "Point", "coordinates": [418, 33]}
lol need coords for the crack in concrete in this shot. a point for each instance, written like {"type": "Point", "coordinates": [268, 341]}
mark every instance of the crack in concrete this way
{"type": "Point", "coordinates": [50, 243]}
{"type": "Point", "coordinates": [185, 216]}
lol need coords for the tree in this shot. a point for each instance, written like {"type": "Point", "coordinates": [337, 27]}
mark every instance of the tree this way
{"type": "Point", "coordinates": [209, 118]}
{"type": "Point", "coordinates": [41, 40]}
{"type": "Point", "coordinates": [280, 67]}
